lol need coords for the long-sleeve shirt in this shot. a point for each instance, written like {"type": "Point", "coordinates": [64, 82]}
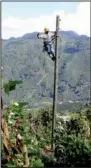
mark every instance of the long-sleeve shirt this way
{"type": "Point", "coordinates": [47, 37]}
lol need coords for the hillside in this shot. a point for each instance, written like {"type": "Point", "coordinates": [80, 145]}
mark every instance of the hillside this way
{"type": "Point", "coordinates": [23, 59]}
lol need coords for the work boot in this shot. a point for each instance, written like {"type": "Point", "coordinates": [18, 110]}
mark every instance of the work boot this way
{"type": "Point", "coordinates": [53, 58]}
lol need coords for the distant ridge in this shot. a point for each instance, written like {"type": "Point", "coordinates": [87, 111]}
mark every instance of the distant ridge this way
{"type": "Point", "coordinates": [33, 35]}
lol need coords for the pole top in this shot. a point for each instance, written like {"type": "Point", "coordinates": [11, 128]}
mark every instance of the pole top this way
{"type": "Point", "coordinates": [58, 17]}
{"type": "Point", "coordinates": [58, 22]}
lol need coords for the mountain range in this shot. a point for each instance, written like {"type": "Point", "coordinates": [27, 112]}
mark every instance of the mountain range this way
{"type": "Point", "coordinates": [23, 59]}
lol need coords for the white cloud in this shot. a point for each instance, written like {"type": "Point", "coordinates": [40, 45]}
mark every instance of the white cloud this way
{"type": "Point", "coordinates": [79, 22]}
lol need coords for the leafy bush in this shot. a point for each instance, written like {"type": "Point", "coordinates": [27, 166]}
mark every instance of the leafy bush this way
{"type": "Point", "coordinates": [78, 124]}
{"type": "Point", "coordinates": [37, 163]}
{"type": "Point", "coordinates": [72, 150]}
{"type": "Point", "coordinates": [46, 117]}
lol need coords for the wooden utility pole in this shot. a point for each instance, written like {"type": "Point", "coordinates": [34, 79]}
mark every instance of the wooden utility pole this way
{"type": "Point", "coordinates": [55, 82]}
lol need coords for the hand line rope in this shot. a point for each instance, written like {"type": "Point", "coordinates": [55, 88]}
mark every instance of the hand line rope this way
{"type": "Point", "coordinates": [38, 83]}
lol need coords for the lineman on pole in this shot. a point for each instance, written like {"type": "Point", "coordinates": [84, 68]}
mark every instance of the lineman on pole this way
{"type": "Point", "coordinates": [48, 42]}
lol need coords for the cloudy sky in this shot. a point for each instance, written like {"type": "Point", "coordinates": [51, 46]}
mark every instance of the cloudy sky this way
{"type": "Point", "coordinates": [19, 18]}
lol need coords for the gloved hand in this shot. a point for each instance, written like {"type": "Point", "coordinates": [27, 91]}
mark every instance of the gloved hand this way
{"type": "Point", "coordinates": [38, 35]}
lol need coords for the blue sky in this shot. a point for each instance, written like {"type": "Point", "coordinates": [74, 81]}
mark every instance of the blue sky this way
{"type": "Point", "coordinates": [33, 9]}
{"type": "Point", "coordinates": [19, 18]}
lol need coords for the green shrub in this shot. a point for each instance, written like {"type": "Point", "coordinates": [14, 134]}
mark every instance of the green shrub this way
{"type": "Point", "coordinates": [72, 150]}
{"type": "Point", "coordinates": [78, 123]}
{"type": "Point", "coordinates": [37, 163]}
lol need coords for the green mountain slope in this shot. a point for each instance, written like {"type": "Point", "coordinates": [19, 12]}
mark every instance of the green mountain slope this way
{"type": "Point", "coordinates": [23, 59]}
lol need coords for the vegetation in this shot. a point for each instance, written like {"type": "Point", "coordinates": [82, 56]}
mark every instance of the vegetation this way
{"type": "Point", "coordinates": [26, 137]}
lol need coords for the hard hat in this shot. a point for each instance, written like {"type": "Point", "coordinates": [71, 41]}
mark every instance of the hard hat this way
{"type": "Point", "coordinates": [46, 29]}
